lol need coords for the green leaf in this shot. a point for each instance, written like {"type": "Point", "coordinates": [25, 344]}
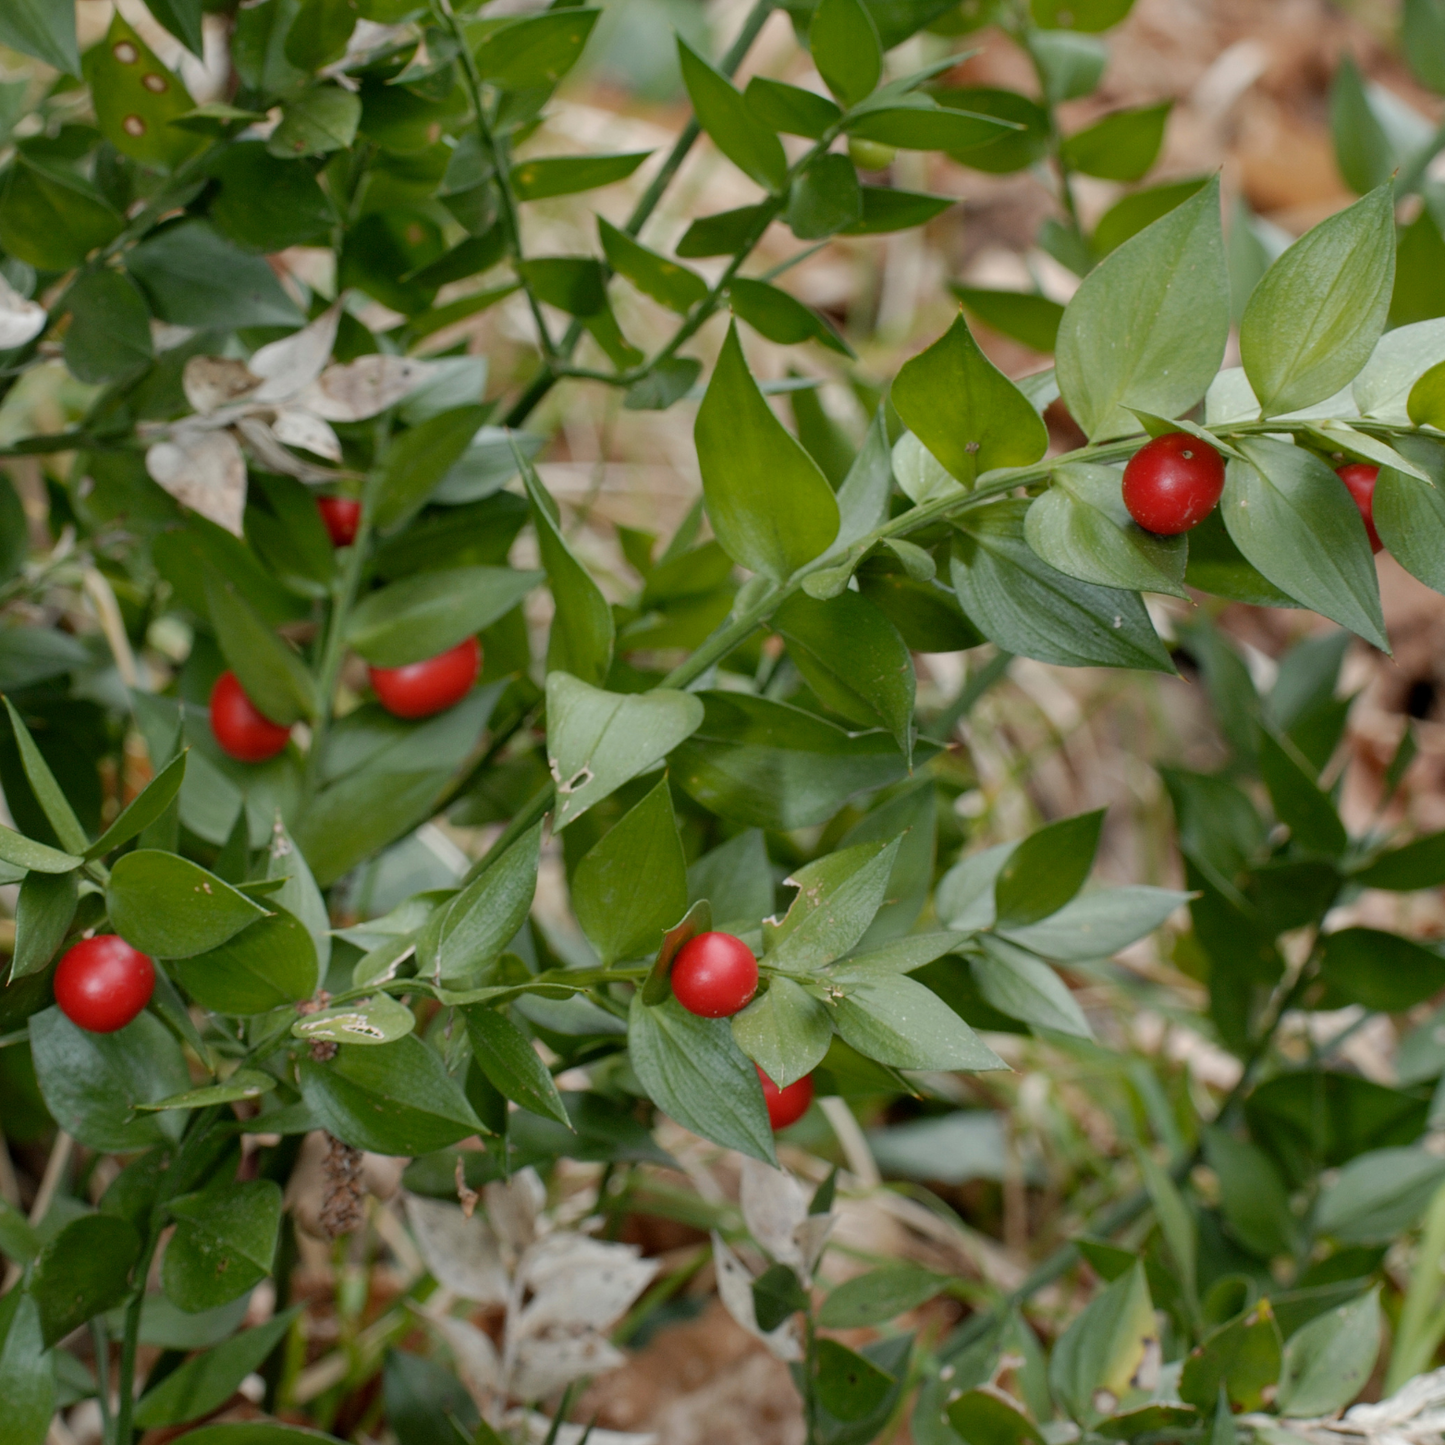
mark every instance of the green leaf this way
{"type": "Point", "coordinates": [1252, 1196]}
{"type": "Point", "coordinates": [319, 33]}
{"type": "Point", "coordinates": [769, 765]}
{"type": "Point", "coordinates": [632, 885]}
{"type": "Point", "coordinates": [777, 1294]}
{"type": "Point", "coordinates": [880, 1295]}
{"type": "Point", "coordinates": [838, 896]}
{"type": "Point", "coordinates": [581, 638]}
{"type": "Point", "coordinates": [789, 108]}
{"type": "Point", "coordinates": [298, 894]}
{"type": "Point", "coordinates": [18, 1240]}
{"type": "Point", "coordinates": [394, 1098]}
{"type": "Point", "coordinates": [966, 411]}
{"type": "Point", "coordinates": [24, 853]}
{"type": "Point", "coordinates": [1317, 313]}
{"type": "Point", "coordinates": [109, 335]}
{"type": "Point", "coordinates": [206, 1381]}
{"type": "Point", "coordinates": [537, 51]}
{"type": "Point", "coordinates": [780, 317]}
{"type": "Point", "coordinates": [1025, 606]}
{"type": "Point", "coordinates": [43, 915]}
{"type": "Point", "coordinates": [1418, 864]}
{"type": "Point", "coordinates": [194, 277]}
{"type": "Point", "coordinates": [850, 1386]}
{"type": "Point", "coordinates": [1422, 42]}
{"type": "Point", "coordinates": [169, 907]}
{"type": "Point", "coordinates": [729, 122]}
{"type": "Point", "coordinates": [1290, 518]}
{"type": "Point", "coordinates": [224, 1242]}
{"type": "Point", "coordinates": [1127, 217]}
{"type": "Point", "coordinates": [1080, 14]}
{"type": "Point", "coordinates": [367, 1023]}
{"type": "Point", "coordinates": [1176, 1224]}
{"type": "Point", "coordinates": [665, 281]}
{"type": "Point", "coordinates": [736, 878]}
{"type": "Point", "coordinates": [424, 615]}
{"type": "Point", "coordinates": [771, 507]}
{"type": "Point", "coordinates": [825, 197]}
{"type": "Point", "coordinates": [485, 916]}
{"type": "Point", "coordinates": [1025, 988]}
{"type": "Point", "coordinates": [183, 18]}
{"type": "Point", "coordinates": [58, 812]}
{"type": "Point", "coordinates": [27, 1368]}
{"type": "Point", "coordinates": [83, 1271]}
{"type": "Point", "coordinates": [317, 122]}
{"type": "Point", "coordinates": [255, 1432]}
{"type": "Point", "coordinates": [415, 462]}
{"type": "Point", "coordinates": [923, 125]}
{"type": "Point", "coordinates": [899, 1022]}
{"type": "Point", "coordinates": [852, 657]}
{"type": "Point", "coordinates": [1098, 925]}
{"type": "Point", "coordinates": [1426, 402]}
{"type": "Point", "coordinates": [1378, 1195]}
{"type": "Point", "coordinates": [1409, 516]}
{"type": "Point", "coordinates": [547, 176]}
{"type": "Point", "coordinates": [506, 1056]}
{"type": "Point", "coordinates": [268, 964]}
{"type": "Point", "coordinates": [694, 1072]}
{"type": "Point", "coordinates": [786, 1031]}
{"type": "Point", "coordinates": [1299, 802]}
{"type": "Point", "coordinates": [726, 233]}
{"type": "Point", "coordinates": [44, 29]}
{"type": "Point", "coordinates": [1121, 146]}
{"type": "Point", "coordinates": [885, 209]}
{"type": "Point", "coordinates": [844, 43]}
{"type": "Point", "coordinates": [270, 671]}
{"type": "Point", "coordinates": [597, 740]}
{"type": "Point", "coordinates": [1012, 150]}
{"type": "Point", "coordinates": [242, 1084]}
{"type": "Point", "coordinates": [1032, 319]}
{"type": "Point", "coordinates": [137, 100]}
{"type": "Point", "coordinates": [143, 810]}
{"type": "Point", "coordinates": [1070, 65]}
{"type": "Point", "coordinates": [52, 219]}
{"type": "Point", "coordinates": [1243, 1357]}
{"type": "Point", "coordinates": [1380, 970]}
{"type": "Point", "coordinates": [1081, 527]}
{"type": "Point", "coordinates": [1148, 326]}
{"type": "Point", "coordinates": [1328, 1362]}
{"type": "Point", "coordinates": [1097, 1361]}
{"type": "Point", "coordinates": [93, 1083]}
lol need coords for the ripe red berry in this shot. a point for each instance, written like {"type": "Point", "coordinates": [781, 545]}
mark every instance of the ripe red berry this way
{"type": "Point", "coordinates": [1360, 480]}
{"type": "Point", "coordinates": [786, 1106]}
{"type": "Point", "coordinates": [1173, 483]}
{"type": "Point", "coordinates": [342, 516]}
{"type": "Point", "coordinates": [103, 983]}
{"type": "Point", "coordinates": [714, 975]}
{"type": "Point", "coordinates": [422, 688]}
{"type": "Point", "coordinates": [243, 731]}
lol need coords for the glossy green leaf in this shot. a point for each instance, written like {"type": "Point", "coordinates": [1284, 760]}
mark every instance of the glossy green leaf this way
{"type": "Point", "coordinates": [109, 335]}
{"type": "Point", "coordinates": [1148, 326]}
{"type": "Point", "coordinates": [844, 43]}
{"type": "Point", "coordinates": [224, 1242]}
{"type": "Point", "coordinates": [1120, 147]}
{"type": "Point", "coordinates": [924, 125]}
{"type": "Point", "coordinates": [1045, 871]}
{"type": "Point", "coordinates": [849, 1385]}
{"type": "Point", "coordinates": [899, 1022]}
{"type": "Point", "coordinates": [485, 916]}
{"type": "Point", "coordinates": [367, 1023]}
{"type": "Point", "coordinates": [1018, 601]}
{"type": "Point", "coordinates": [319, 33]}
{"type": "Point", "coordinates": [48, 793]}
{"type": "Point", "coordinates": [1127, 217]}
{"type": "Point", "coordinates": [537, 180]}
{"type": "Point", "coordinates": [790, 108]}
{"type": "Point", "coordinates": [1417, 864]}
{"type": "Point", "coordinates": [665, 281]}
{"type": "Point", "coordinates": [1081, 527]}
{"type": "Point", "coordinates": [1089, 15]}
{"type": "Point", "coordinates": [206, 1381]}
{"type": "Point", "coordinates": [632, 884]}
{"type": "Point", "coordinates": [885, 210]}
{"type": "Point", "coordinates": [506, 1056]}
{"type": "Point", "coordinates": [52, 218]}
{"type": "Point", "coordinates": [694, 1072]}
{"type": "Point", "coordinates": [723, 113]}
{"type": "Point", "coordinates": [183, 18]}
{"type": "Point", "coordinates": [1380, 970]}
{"type": "Point", "coordinates": [535, 51]}
{"type": "Point", "coordinates": [782, 318]}
{"type": "Point", "coordinates": [44, 29]}
{"type": "Point", "coordinates": [394, 1098]}
{"type": "Point", "coordinates": [771, 507]}
{"type": "Point", "coordinates": [242, 1084]}
{"type": "Point", "coordinates": [1025, 988]}
{"type": "Point", "coordinates": [581, 638]}
{"type": "Point", "coordinates": [786, 1031]}
{"type": "Point", "coordinates": [24, 853]}
{"type": "Point", "coordinates": [83, 1271]}
{"type": "Point", "coordinates": [1032, 319]}
{"type": "Point", "coordinates": [597, 740]}
{"type": "Point", "coordinates": [92, 1083]}
{"type": "Point", "coordinates": [169, 907]}
{"type": "Point", "coordinates": [1316, 315]}
{"type": "Point", "coordinates": [838, 897]}
{"type": "Point", "coordinates": [965, 411]}
{"type": "Point", "coordinates": [1299, 802]}
{"type": "Point", "coordinates": [1010, 151]}
{"type": "Point", "coordinates": [27, 1368]}
{"type": "Point", "coordinates": [1287, 513]}
{"type": "Point", "coordinates": [137, 100]}
{"type": "Point", "coordinates": [268, 964]}
{"type": "Point", "coordinates": [144, 809]}
{"type": "Point", "coordinates": [416, 461]}
{"type": "Point", "coordinates": [726, 233]}
{"type": "Point", "coordinates": [825, 197]}
{"type": "Point", "coordinates": [43, 914]}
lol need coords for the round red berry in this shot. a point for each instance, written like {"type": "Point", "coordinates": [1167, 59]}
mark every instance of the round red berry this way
{"type": "Point", "coordinates": [786, 1106]}
{"type": "Point", "coordinates": [714, 975]}
{"type": "Point", "coordinates": [342, 516]}
{"type": "Point", "coordinates": [1173, 483]}
{"type": "Point", "coordinates": [420, 689]}
{"type": "Point", "coordinates": [1360, 480]}
{"type": "Point", "coordinates": [103, 983]}
{"type": "Point", "coordinates": [243, 731]}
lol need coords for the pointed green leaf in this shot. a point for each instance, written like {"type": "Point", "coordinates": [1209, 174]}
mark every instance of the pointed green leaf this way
{"type": "Point", "coordinates": [844, 42]}
{"type": "Point", "coordinates": [786, 1032]}
{"type": "Point", "coordinates": [169, 907]}
{"type": "Point", "coordinates": [726, 118]}
{"type": "Point", "coordinates": [44, 29]}
{"type": "Point", "coordinates": [506, 1056]}
{"type": "Point", "coordinates": [48, 794]}
{"type": "Point", "coordinates": [674, 286]}
{"type": "Point", "coordinates": [152, 801]}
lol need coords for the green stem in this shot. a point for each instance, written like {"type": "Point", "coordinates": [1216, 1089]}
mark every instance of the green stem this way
{"type": "Point", "coordinates": [100, 1340]}
{"type": "Point", "coordinates": [130, 1341]}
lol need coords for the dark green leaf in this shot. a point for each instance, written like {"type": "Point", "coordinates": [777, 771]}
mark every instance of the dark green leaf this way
{"type": "Point", "coordinates": [1080, 14]}
{"type": "Point", "coordinates": [791, 109]}
{"type": "Point", "coordinates": [726, 233]}
{"type": "Point", "coordinates": [674, 286]}
{"type": "Point", "coordinates": [1243, 1357]}
{"type": "Point", "coordinates": [1216, 565]}
{"type": "Point", "coordinates": [879, 1296]}
{"type": "Point", "coordinates": [1422, 41]}
{"type": "Point", "coordinates": [850, 1386]}
{"type": "Point", "coordinates": [983, 1418]}
{"type": "Point", "coordinates": [268, 964]}
{"type": "Point", "coordinates": [1298, 800]}
{"type": "Point", "coordinates": [58, 812]}
{"type": "Point", "coordinates": [270, 671]}
{"type": "Point", "coordinates": [825, 197]}
{"type": "Point", "coordinates": [52, 218]}
{"type": "Point", "coordinates": [887, 210]}
{"type": "Point", "coordinates": [926, 126]}
{"type": "Point", "coordinates": [844, 42]}
{"type": "Point", "coordinates": [507, 1058]}
{"type": "Point", "coordinates": [1418, 864]}
{"type": "Point", "coordinates": [265, 203]}
{"type": "Point", "coordinates": [732, 126]}
{"type": "Point", "coordinates": [536, 51]}
{"type": "Point", "coordinates": [1362, 149]}
{"type": "Point", "coordinates": [43, 913]}
{"type": "Point", "coordinates": [1034, 320]}
{"type": "Point", "coordinates": [109, 335]}
{"type": "Point", "coordinates": [1045, 871]}
{"type": "Point", "coordinates": [1252, 1196]}
{"type": "Point", "coordinates": [152, 801]}
{"type": "Point", "coordinates": [1131, 215]}
{"type": "Point", "coordinates": [776, 1296]}
{"type": "Point", "coordinates": [485, 916]}
{"type": "Point", "coordinates": [169, 907]}
{"type": "Point", "coordinates": [83, 1271]}
{"type": "Point", "coordinates": [317, 122]}
{"type": "Point", "coordinates": [786, 1031]}
{"type": "Point", "coordinates": [1010, 150]}
{"type": "Point", "coordinates": [415, 461]}
{"type": "Point", "coordinates": [536, 180]}
{"type": "Point", "coordinates": [224, 1242]}
{"type": "Point", "coordinates": [780, 317]}
{"type": "Point", "coordinates": [27, 1368]}
{"type": "Point", "coordinates": [1380, 970]}
{"type": "Point", "coordinates": [1121, 146]}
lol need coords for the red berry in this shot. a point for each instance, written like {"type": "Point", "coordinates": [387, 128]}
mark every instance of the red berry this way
{"type": "Point", "coordinates": [243, 731]}
{"type": "Point", "coordinates": [1173, 483]}
{"type": "Point", "coordinates": [1360, 480]}
{"type": "Point", "coordinates": [422, 688]}
{"type": "Point", "coordinates": [714, 975]}
{"type": "Point", "coordinates": [342, 516]}
{"type": "Point", "coordinates": [786, 1106]}
{"type": "Point", "coordinates": [103, 983]}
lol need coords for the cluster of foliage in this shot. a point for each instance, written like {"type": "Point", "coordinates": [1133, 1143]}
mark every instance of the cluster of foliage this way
{"type": "Point", "coordinates": [250, 951]}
